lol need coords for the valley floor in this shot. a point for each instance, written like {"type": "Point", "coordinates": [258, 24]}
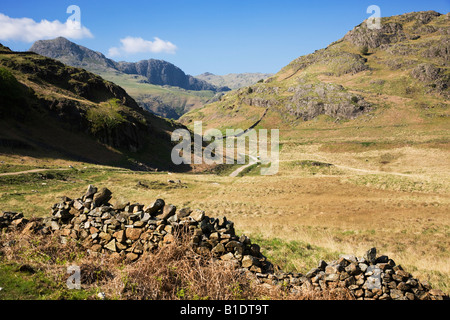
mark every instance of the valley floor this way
{"type": "Point", "coordinates": [321, 203]}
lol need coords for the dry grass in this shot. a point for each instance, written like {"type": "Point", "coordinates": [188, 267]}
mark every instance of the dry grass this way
{"type": "Point", "coordinates": [383, 190]}
{"type": "Point", "coordinates": [173, 272]}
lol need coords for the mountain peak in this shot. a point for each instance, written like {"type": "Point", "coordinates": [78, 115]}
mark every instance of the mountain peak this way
{"type": "Point", "coordinates": [206, 74]}
{"type": "Point", "coordinates": [158, 72]}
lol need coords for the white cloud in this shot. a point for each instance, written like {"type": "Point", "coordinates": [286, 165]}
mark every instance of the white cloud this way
{"type": "Point", "coordinates": [132, 45]}
{"type": "Point", "coordinates": [28, 30]}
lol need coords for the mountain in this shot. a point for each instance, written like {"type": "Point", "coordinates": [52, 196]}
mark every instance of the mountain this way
{"type": "Point", "coordinates": [73, 54]}
{"type": "Point", "coordinates": [233, 80]}
{"type": "Point", "coordinates": [162, 73]}
{"type": "Point", "coordinates": [398, 73]}
{"type": "Point", "coordinates": [48, 108]}
{"type": "Point", "coordinates": [157, 72]}
{"type": "Point", "coordinates": [143, 80]}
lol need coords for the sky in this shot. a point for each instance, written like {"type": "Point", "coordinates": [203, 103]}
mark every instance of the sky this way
{"type": "Point", "coordinates": [198, 36]}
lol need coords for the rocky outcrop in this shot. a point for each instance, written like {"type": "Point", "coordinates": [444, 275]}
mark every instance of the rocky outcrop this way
{"type": "Point", "coordinates": [128, 230]}
{"type": "Point", "coordinates": [162, 73]}
{"type": "Point", "coordinates": [392, 32]}
{"type": "Point", "coordinates": [311, 100]}
{"type": "Point", "coordinates": [436, 78]}
{"type": "Point", "coordinates": [71, 53]}
{"type": "Point", "coordinates": [389, 33]}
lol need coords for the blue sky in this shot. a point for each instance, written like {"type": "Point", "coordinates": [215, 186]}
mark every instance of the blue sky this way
{"type": "Point", "coordinates": [199, 36]}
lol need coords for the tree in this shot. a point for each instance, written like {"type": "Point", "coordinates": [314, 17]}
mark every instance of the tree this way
{"type": "Point", "coordinates": [364, 50]}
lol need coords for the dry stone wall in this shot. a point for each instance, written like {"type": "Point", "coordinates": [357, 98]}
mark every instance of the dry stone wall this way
{"type": "Point", "coordinates": [128, 230]}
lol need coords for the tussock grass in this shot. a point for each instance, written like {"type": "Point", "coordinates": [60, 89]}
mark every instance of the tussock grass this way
{"type": "Point", "coordinates": [35, 267]}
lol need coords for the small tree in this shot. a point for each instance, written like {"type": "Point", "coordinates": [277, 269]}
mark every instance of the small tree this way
{"type": "Point", "coordinates": [364, 50]}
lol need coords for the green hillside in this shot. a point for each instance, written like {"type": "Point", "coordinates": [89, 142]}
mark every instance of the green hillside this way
{"type": "Point", "coordinates": [398, 74]}
{"type": "Point", "coordinates": [57, 111]}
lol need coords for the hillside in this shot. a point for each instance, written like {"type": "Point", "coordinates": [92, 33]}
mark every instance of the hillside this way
{"type": "Point", "coordinates": [57, 111]}
{"type": "Point", "coordinates": [233, 80]}
{"type": "Point", "coordinates": [403, 67]}
{"type": "Point", "coordinates": [143, 80]}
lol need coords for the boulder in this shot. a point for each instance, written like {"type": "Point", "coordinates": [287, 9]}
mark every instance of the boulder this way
{"type": "Point", "coordinates": [102, 197]}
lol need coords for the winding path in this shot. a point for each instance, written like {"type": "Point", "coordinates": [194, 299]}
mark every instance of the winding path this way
{"type": "Point", "coordinates": [30, 171]}
{"type": "Point", "coordinates": [253, 160]}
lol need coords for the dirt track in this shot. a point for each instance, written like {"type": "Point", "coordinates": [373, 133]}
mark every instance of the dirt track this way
{"type": "Point", "coordinates": [29, 171]}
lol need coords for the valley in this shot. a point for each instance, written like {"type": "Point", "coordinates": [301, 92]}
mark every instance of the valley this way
{"type": "Point", "coordinates": [364, 145]}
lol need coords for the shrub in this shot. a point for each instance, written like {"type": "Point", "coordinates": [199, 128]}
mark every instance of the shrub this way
{"type": "Point", "coordinates": [364, 50]}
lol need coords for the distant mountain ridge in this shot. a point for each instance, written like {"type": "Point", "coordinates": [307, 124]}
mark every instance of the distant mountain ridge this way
{"type": "Point", "coordinates": [158, 72]}
{"type": "Point", "coordinates": [233, 80]}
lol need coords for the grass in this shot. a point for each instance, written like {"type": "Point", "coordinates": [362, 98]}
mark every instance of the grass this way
{"type": "Point", "coordinates": [297, 217]}
{"type": "Point", "coordinates": [292, 256]}
{"type": "Point", "coordinates": [171, 102]}
{"type": "Point", "coordinates": [380, 180]}
{"type": "Point", "coordinates": [22, 192]}
{"type": "Point", "coordinates": [105, 115]}
{"type": "Point", "coordinates": [35, 267]}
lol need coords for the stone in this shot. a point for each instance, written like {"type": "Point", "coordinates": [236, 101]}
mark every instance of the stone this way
{"type": "Point", "coordinates": [145, 217]}
{"type": "Point", "coordinates": [31, 227]}
{"type": "Point", "coordinates": [359, 293]}
{"type": "Point", "coordinates": [311, 273]}
{"type": "Point", "coordinates": [96, 248]}
{"type": "Point", "coordinates": [120, 205]}
{"type": "Point", "coordinates": [102, 197]}
{"type": "Point", "coordinates": [234, 246]}
{"type": "Point", "coordinates": [409, 296]}
{"type": "Point", "coordinates": [255, 250]}
{"type": "Point", "coordinates": [352, 269]}
{"type": "Point", "coordinates": [133, 233]}
{"type": "Point", "coordinates": [436, 292]}
{"type": "Point", "coordinates": [154, 209]}
{"type": "Point", "coordinates": [396, 294]}
{"type": "Point", "coordinates": [184, 212]}
{"type": "Point", "coordinates": [111, 245]}
{"type": "Point", "coordinates": [77, 204]}
{"type": "Point", "coordinates": [218, 249]}
{"type": "Point", "coordinates": [130, 256]}
{"type": "Point", "coordinates": [330, 269]}
{"type": "Point", "coordinates": [248, 261]}
{"type": "Point", "coordinates": [382, 259]}
{"type": "Point", "coordinates": [363, 267]}
{"type": "Point", "coordinates": [349, 257]}
{"type": "Point", "coordinates": [332, 277]}
{"type": "Point", "coordinates": [120, 236]}
{"type": "Point", "coordinates": [168, 211]}
{"type": "Point", "coordinates": [371, 255]}
{"type": "Point", "coordinates": [198, 215]}
{"type": "Point", "coordinates": [91, 190]}
{"type": "Point", "coordinates": [227, 257]}
{"type": "Point", "coordinates": [322, 265]}
{"type": "Point", "coordinates": [138, 224]}
{"type": "Point", "coordinates": [403, 286]}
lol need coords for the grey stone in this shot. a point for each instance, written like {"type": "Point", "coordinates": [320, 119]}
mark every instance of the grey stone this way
{"type": "Point", "coordinates": [371, 255]}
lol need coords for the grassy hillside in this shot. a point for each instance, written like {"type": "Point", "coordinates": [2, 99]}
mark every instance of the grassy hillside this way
{"type": "Point", "coordinates": [166, 101]}
{"type": "Point", "coordinates": [58, 111]}
{"type": "Point", "coordinates": [407, 74]}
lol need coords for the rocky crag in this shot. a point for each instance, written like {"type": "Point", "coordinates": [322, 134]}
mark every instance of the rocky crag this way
{"type": "Point", "coordinates": [128, 230]}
